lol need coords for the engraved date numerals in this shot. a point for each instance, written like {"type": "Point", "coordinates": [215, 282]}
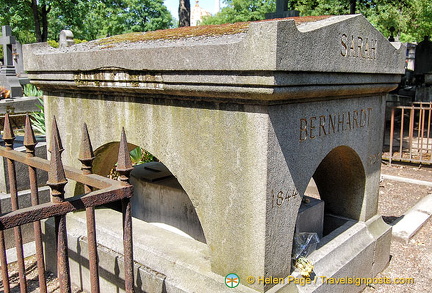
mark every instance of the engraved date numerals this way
{"type": "Point", "coordinates": [279, 198]}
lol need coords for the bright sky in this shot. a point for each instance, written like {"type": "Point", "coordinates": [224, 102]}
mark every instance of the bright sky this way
{"type": "Point", "coordinates": [209, 5]}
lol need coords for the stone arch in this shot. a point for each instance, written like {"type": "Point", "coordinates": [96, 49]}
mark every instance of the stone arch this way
{"type": "Point", "coordinates": [339, 182]}
{"type": "Point", "coordinates": [340, 179]}
{"type": "Point", "coordinates": [162, 201]}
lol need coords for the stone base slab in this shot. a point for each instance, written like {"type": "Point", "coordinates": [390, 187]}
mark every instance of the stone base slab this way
{"type": "Point", "coordinates": [24, 200]}
{"type": "Point", "coordinates": [167, 262]}
{"type": "Point", "coordinates": [164, 261]}
{"type": "Point", "coordinates": [354, 250]}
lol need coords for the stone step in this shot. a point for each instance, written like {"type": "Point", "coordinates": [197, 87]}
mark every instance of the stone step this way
{"type": "Point", "coordinates": [411, 222]}
{"type": "Point", "coordinates": [19, 105]}
{"type": "Point", "coordinates": [24, 200]}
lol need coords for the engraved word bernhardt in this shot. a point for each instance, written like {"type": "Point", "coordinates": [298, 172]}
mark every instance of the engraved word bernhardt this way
{"type": "Point", "coordinates": [358, 47]}
{"type": "Point", "coordinates": [317, 126]}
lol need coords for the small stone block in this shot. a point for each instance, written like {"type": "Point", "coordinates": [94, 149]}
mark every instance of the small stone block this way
{"type": "Point", "coordinates": [310, 217]}
{"type": "Point", "coordinates": [413, 220]}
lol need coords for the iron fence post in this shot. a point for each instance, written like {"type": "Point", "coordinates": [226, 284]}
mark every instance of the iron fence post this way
{"type": "Point", "coordinates": [124, 167]}
{"type": "Point", "coordinates": [57, 181]}
{"type": "Point", "coordinates": [9, 137]}
{"type": "Point", "coordinates": [30, 144]}
{"type": "Point", "coordinates": [86, 157]}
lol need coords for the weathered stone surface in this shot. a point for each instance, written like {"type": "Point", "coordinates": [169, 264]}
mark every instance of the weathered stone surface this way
{"type": "Point", "coordinates": [159, 198]}
{"type": "Point", "coordinates": [66, 38]}
{"type": "Point", "coordinates": [19, 105]}
{"type": "Point", "coordinates": [248, 156]}
{"type": "Point", "coordinates": [310, 217]}
{"type": "Point", "coordinates": [176, 264]}
{"type": "Point", "coordinates": [411, 222]}
{"type": "Point", "coordinates": [254, 63]}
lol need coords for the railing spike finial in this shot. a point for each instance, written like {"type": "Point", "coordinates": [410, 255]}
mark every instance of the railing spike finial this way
{"type": "Point", "coordinates": [8, 134]}
{"type": "Point", "coordinates": [56, 135]}
{"type": "Point", "coordinates": [86, 150]}
{"type": "Point", "coordinates": [29, 136]}
{"type": "Point", "coordinates": [56, 176]}
{"type": "Point", "coordinates": [124, 163]}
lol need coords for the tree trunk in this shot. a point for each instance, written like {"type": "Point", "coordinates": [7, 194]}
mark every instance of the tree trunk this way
{"type": "Point", "coordinates": [44, 16]}
{"type": "Point", "coordinates": [35, 10]}
{"type": "Point", "coordinates": [353, 6]}
{"type": "Point", "coordinates": [184, 13]}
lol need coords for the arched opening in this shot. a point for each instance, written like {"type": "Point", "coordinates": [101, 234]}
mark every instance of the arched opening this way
{"type": "Point", "coordinates": [158, 196]}
{"type": "Point", "coordinates": [338, 186]}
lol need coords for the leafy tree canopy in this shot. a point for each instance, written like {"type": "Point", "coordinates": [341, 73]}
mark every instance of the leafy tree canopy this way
{"type": "Point", "coordinates": [88, 19]}
{"type": "Point", "coordinates": [412, 19]}
{"type": "Point", "coordinates": [242, 10]}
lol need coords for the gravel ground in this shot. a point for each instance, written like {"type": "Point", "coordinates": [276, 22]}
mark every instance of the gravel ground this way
{"type": "Point", "coordinates": [32, 278]}
{"type": "Point", "coordinates": [412, 260]}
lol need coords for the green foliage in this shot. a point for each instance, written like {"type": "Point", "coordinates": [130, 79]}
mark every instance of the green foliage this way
{"type": "Point", "coordinates": [412, 19]}
{"type": "Point", "coordinates": [18, 14]}
{"type": "Point", "coordinates": [140, 156]}
{"type": "Point", "coordinates": [92, 19]}
{"type": "Point", "coordinates": [87, 19]}
{"type": "Point", "coordinates": [321, 7]}
{"type": "Point", "coordinates": [53, 43]}
{"type": "Point", "coordinates": [32, 91]}
{"type": "Point", "coordinates": [56, 44]}
{"type": "Point", "coordinates": [242, 10]}
{"type": "Point", "coordinates": [38, 118]}
{"type": "Point", "coordinates": [420, 21]}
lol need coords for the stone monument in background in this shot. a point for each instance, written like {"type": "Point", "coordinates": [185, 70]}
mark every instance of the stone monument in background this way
{"type": "Point", "coordinates": [8, 74]}
{"type": "Point", "coordinates": [282, 10]}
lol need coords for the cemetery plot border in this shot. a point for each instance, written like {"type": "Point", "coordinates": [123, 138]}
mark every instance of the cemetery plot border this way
{"type": "Point", "coordinates": [98, 191]}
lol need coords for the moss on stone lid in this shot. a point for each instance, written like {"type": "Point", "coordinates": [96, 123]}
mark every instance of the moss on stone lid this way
{"type": "Point", "coordinates": [194, 31]}
{"type": "Point", "coordinates": [178, 33]}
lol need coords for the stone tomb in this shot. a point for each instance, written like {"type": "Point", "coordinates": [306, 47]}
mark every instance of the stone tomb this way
{"type": "Point", "coordinates": [243, 116]}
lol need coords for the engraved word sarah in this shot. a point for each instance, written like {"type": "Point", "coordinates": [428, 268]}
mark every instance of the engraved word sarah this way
{"type": "Point", "coordinates": [358, 47]}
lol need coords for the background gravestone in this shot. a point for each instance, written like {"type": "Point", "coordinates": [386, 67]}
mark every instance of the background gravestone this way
{"type": "Point", "coordinates": [18, 63]}
{"type": "Point", "coordinates": [281, 10]}
{"type": "Point", "coordinates": [8, 78]}
{"type": "Point", "coordinates": [423, 57]}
